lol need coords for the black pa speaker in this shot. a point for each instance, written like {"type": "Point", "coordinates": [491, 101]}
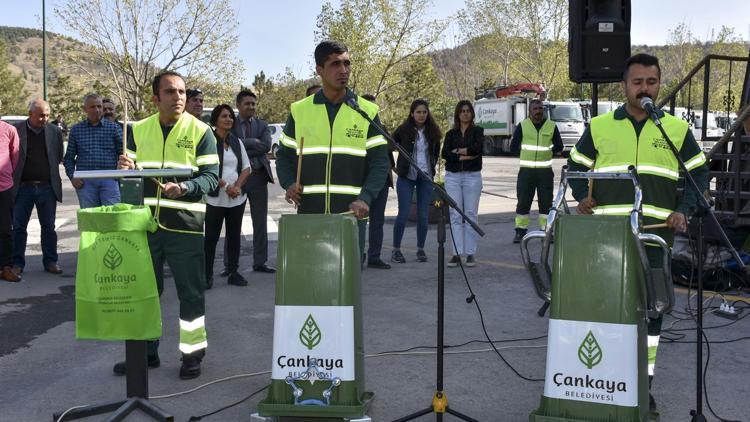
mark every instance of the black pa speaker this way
{"type": "Point", "coordinates": [598, 39]}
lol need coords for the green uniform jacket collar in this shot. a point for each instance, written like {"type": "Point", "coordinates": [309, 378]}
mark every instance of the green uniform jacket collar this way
{"type": "Point", "coordinates": [319, 98]}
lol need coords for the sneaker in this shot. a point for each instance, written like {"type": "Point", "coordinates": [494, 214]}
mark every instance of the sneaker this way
{"type": "Point", "coordinates": [378, 264]}
{"type": "Point", "coordinates": [421, 256]}
{"type": "Point", "coordinates": [121, 368]}
{"type": "Point", "coordinates": [520, 233]}
{"type": "Point", "coordinates": [191, 366]}
{"type": "Point", "coordinates": [470, 262]}
{"type": "Point", "coordinates": [236, 279]}
{"type": "Point", "coordinates": [455, 260]}
{"type": "Point", "coordinates": [397, 256]}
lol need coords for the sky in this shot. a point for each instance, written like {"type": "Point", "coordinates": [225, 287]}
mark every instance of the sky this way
{"type": "Point", "coordinates": [277, 34]}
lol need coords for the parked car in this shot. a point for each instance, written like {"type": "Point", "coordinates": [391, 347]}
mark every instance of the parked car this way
{"type": "Point", "coordinates": [12, 120]}
{"type": "Point", "coordinates": [275, 129]}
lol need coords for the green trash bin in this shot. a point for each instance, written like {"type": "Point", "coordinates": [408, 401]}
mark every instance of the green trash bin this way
{"type": "Point", "coordinates": [318, 354]}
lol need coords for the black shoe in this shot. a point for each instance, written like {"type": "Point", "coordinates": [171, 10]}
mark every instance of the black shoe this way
{"type": "Point", "coordinates": [236, 279]}
{"type": "Point", "coordinates": [470, 262]}
{"type": "Point", "coordinates": [121, 368]}
{"type": "Point", "coordinates": [224, 273]}
{"type": "Point", "coordinates": [651, 403]}
{"type": "Point", "coordinates": [191, 366]}
{"type": "Point", "coordinates": [264, 269]}
{"type": "Point", "coordinates": [209, 282]}
{"type": "Point", "coordinates": [455, 260]}
{"type": "Point", "coordinates": [379, 264]}
{"type": "Point", "coordinates": [421, 256]}
{"type": "Point", "coordinates": [397, 256]}
{"type": "Point", "coordinates": [520, 233]}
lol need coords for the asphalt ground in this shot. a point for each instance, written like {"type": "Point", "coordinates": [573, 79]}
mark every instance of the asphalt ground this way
{"type": "Point", "coordinates": [44, 369]}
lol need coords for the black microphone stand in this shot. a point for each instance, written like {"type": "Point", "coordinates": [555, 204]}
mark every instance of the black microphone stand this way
{"type": "Point", "coordinates": [703, 209]}
{"type": "Point", "coordinates": [440, 400]}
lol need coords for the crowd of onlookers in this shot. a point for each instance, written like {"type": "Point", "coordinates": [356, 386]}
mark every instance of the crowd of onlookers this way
{"type": "Point", "coordinates": [31, 152]}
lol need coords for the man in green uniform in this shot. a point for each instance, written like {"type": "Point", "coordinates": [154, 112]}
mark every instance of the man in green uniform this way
{"type": "Point", "coordinates": [537, 139]}
{"type": "Point", "coordinates": [175, 139]}
{"type": "Point", "coordinates": [344, 158]}
{"type": "Point", "coordinates": [625, 137]}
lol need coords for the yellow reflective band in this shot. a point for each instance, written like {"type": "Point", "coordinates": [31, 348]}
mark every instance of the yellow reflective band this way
{"type": "Point", "coordinates": [204, 160]}
{"type": "Point", "coordinates": [349, 190]}
{"type": "Point", "coordinates": [535, 147]}
{"type": "Point", "coordinates": [168, 203]}
{"type": "Point", "coordinates": [619, 168]}
{"type": "Point", "coordinates": [349, 151]}
{"type": "Point", "coordinates": [149, 164]}
{"type": "Point", "coordinates": [287, 141]}
{"type": "Point", "coordinates": [613, 210]}
{"type": "Point", "coordinates": [193, 325]}
{"type": "Point", "coordinates": [659, 171]}
{"type": "Point", "coordinates": [190, 348]}
{"type": "Point", "coordinates": [580, 158]}
{"type": "Point", "coordinates": [696, 161]}
{"type": "Point", "coordinates": [175, 165]}
{"type": "Point", "coordinates": [656, 212]}
{"type": "Point", "coordinates": [526, 163]}
{"type": "Point", "coordinates": [373, 142]}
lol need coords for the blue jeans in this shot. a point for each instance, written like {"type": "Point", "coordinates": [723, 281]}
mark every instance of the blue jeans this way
{"type": "Point", "coordinates": [98, 192]}
{"type": "Point", "coordinates": [404, 192]}
{"type": "Point", "coordinates": [45, 201]}
{"type": "Point", "coordinates": [464, 187]}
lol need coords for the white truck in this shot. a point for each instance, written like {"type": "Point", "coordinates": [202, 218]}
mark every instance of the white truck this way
{"type": "Point", "coordinates": [499, 117]}
{"type": "Point", "coordinates": [568, 117]}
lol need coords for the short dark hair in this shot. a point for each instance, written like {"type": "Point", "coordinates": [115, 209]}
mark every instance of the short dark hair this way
{"type": "Point", "coordinates": [641, 59]}
{"type": "Point", "coordinates": [192, 92]}
{"type": "Point", "coordinates": [107, 100]}
{"type": "Point", "coordinates": [370, 97]}
{"type": "Point", "coordinates": [157, 80]}
{"type": "Point", "coordinates": [245, 93]}
{"type": "Point", "coordinates": [457, 112]}
{"type": "Point", "coordinates": [217, 112]}
{"type": "Point", "coordinates": [326, 48]}
{"type": "Point", "coordinates": [312, 89]}
{"type": "Point", "coordinates": [535, 101]}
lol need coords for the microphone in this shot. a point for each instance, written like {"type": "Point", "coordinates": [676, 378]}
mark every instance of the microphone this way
{"type": "Point", "coordinates": [352, 102]}
{"type": "Point", "coordinates": [647, 104]}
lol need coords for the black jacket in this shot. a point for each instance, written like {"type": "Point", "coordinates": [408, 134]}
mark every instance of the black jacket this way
{"type": "Point", "coordinates": [406, 136]}
{"type": "Point", "coordinates": [257, 146]}
{"type": "Point", "coordinates": [473, 140]}
{"type": "Point", "coordinates": [53, 140]}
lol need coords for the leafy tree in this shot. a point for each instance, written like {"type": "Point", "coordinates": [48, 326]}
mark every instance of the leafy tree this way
{"type": "Point", "coordinates": [12, 93]}
{"type": "Point", "coordinates": [276, 94]}
{"type": "Point", "coordinates": [65, 99]}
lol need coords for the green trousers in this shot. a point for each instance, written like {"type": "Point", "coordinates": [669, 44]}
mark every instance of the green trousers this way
{"type": "Point", "coordinates": [539, 181]}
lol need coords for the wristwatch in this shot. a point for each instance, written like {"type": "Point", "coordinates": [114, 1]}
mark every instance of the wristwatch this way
{"type": "Point", "coordinates": [183, 188]}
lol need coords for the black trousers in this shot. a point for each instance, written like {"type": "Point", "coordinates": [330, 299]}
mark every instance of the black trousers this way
{"type": "Point", "coordinates": [377, 219]}
{"type": "Point", "coordinates": [215, 218]}
{"type": "Point", "coordinates": [6, 228]}
{"type": "Point", "coordinates": [256, 188]}
{"type": "Point", "coordinates": [531, 181]}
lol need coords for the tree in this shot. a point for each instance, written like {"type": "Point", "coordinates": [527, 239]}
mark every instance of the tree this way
{"type": "Point", "coordinates": [135, 39]}
{"type": "Point", "coordinates": [65, 99]}
{"type": "Point", "coordinates": [276, 94]}
{"type": "Point", "coordinates": [12, 93]}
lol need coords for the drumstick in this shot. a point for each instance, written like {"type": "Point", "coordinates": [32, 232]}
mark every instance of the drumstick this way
{"type": "Point", "coordinates": [655, 226]}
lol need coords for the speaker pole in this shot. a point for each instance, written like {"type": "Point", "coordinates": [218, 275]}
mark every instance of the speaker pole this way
{"type": "Point", "coordinates": [594, 99]}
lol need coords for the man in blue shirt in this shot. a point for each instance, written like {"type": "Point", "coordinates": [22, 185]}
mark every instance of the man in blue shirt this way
{"type": "Point", "coordinates": [94, 144]}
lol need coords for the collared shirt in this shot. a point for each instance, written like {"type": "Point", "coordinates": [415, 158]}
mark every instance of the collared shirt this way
{"type": "Point", "coordinates": [9, 144]}
{"type": "Point", "coordinates": [93, 146]}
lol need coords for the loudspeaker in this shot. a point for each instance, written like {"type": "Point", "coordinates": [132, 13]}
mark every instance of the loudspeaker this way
{"type": "Point", "coordinates": [598, 39]}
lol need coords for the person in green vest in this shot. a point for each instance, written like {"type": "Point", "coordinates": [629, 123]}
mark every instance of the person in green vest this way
{"type": "Point", "coordinates": [175, 139]}
{"type": "Point", "coordinates": [344, 158]}
{"type": "Point", "coordinates": [628, 137]}
{"type": "Point", "coordinates": [537, 139]}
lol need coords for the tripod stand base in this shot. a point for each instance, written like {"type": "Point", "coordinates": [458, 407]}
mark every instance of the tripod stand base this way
{"type": "Point", "coordinates": [121, 410]}
{"type": "Point", "coordinates": [439, 407]}
{"type": "Point", "coordinates": [697, 417]}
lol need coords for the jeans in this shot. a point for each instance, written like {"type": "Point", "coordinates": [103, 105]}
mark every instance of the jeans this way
{"type": "Point", "coordinates": [27, 197]}
{"type": "Point", "coordinates": [377, 219]}
{"type": "Point", "coordinates": [464, 187]}
{"type": "Point", "coordinates": [404, 191]}
{"type": "Point", "coordinates": [98, 192]}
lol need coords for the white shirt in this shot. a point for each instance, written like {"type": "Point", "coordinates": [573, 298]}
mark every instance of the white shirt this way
{"type": "Point", "coordinates": [229, 175]}
{"type": "Point", "coordinates": [421, 155]}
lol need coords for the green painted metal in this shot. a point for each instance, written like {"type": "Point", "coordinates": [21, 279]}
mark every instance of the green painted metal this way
{"type": "Point", "coordinates": [131, 191]}
{"type": "Point", "coordinates": [319, 265]}
{"type": "Point", "coordinates": [597, 276]}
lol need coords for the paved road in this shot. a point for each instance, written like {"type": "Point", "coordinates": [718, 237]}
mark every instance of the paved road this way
{"type": "Point", "coordinates": [43, 368]}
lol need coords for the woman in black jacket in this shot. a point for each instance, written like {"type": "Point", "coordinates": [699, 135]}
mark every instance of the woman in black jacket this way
{"type": "Point", "coordinates": [227, 202]}
{"type": "Point", "coordinates": [420, 137]}
{"type": "Point", "coordinates": [462, 151]}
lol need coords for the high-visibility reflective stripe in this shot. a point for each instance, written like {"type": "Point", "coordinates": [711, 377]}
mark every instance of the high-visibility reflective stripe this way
{"type": "Point", "coordinates": [193, 325]}
{"type": "Point", "coordinates": [350, 190]}
{"type": "Point", "coordinates": [651, 367]}
{"type": "Point", "coordinates": [166, 165]}
{"type": "Point", "coordinates": [168, 203]}
{"type": "Point", "coordinates": [653, 341]}
{"type": "Point", "coordinates": [543, 221]}
{"type": "Point", "coordinates": [373, 142]}
{"type": "Point", "coordinates": [149, 164]}
{"type": "Point", "coordinates": [525, 163]}
{"type": "Point", "coordinates": [656, 212]}
{"type": "Point", "coordinates": [522, 221]}
{"type": "Point", "coordinates": [175, 165]}
{"type": "Point", "coordinates": [287, 141]}
{"type": "Point", "coordinates": [190, 348]}
{"type": "Point", "coordinates": [207, 159]}
{"type": "Point", "coordinates": [334, 150]}
{"type": "Point", "coordinates": [696, 161]}
{"type": "Point", "coordinates": [535, 147]}
{"type": "Point", "coordinates": [613, 210]}
{"type": "Point", "coordinates": [620, 168]}
{"type": "Point", "coordinates": [660, 171]}
{"type": "Point", "coordinates": [653, 345]}
{"type": "Point", "coordinates": [580, 158]}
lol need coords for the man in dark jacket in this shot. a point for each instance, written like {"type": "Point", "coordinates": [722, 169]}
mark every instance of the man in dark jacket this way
{"type": "Point", "coordinates": [37, 183]}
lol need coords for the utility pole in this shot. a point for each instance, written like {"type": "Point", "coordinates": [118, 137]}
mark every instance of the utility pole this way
{"type": "Point", "coordinates": [44, 51]}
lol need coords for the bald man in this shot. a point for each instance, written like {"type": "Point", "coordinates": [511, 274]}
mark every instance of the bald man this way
{"type": "Point", "coordinates": [37, 183]}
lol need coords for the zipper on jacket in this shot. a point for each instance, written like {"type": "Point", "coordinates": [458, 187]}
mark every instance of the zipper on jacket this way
{"type": "Point", "coordinates": [329, 159]}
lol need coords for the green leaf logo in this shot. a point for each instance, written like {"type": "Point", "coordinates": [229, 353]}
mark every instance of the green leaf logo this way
{"type": "Point", "coordinates": [113, 258]}
{"type": "Point", "coordinates": [310, 334]}
{"type": "Point", "coordinates": [590, 354]}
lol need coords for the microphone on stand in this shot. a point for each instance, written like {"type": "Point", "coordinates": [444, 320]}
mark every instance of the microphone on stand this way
{"type": "Point", "coordinates": [352, 102]}
{"type": "Point", "coordinates": [647, 104]}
